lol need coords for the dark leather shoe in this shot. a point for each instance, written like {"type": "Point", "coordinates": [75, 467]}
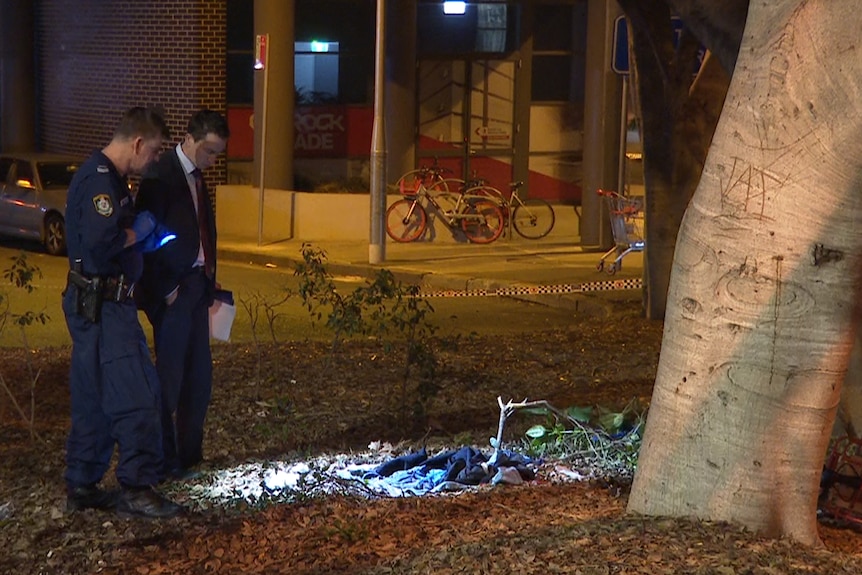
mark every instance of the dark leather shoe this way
{"type": "Point", "coordinates": [183, 474]}
{"type": "Point", "coordinates": [146, 503]}
{"type": "Point", "coordinates": [89, 497]}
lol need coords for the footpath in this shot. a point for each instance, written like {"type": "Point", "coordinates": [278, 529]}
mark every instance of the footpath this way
{"type": "Point", "coordinates": [556, 271]}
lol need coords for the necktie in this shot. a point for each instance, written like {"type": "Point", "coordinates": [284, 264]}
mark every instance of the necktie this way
{"type": "Point", "coordinates": [203, 223]}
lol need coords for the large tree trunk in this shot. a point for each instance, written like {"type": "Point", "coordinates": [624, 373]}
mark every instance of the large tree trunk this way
{"type": "Point", "coordinates": [765, 278]}
{"type": "Point", "coordinates": [673, 161]}
{"type": "Point", "coordinates": [678, 120]}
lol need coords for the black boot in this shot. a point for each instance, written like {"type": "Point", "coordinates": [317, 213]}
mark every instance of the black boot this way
{"type": "Point", "coordinates": [89, 497]}
{"type": "Point", "coordinates": [147, 503]}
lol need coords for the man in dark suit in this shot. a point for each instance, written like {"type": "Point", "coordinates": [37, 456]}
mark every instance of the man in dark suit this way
{"type": "Point", "coordinates": [178, 284]}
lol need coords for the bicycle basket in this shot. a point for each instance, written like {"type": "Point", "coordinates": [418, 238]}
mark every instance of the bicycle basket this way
{"type": "Point", "coordinates": [410, 186]}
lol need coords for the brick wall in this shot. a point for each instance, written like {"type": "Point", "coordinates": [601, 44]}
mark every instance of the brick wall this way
{"type": "Point", "coordinates": [100, 57]}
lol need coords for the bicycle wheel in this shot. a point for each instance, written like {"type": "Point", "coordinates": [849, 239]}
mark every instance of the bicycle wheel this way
{"type": "Point", "coordinates": [486, 193]}
{"type": "Point", "coordinates": [533, 218]}
{"type": "Point", "coordinates": [446, 186]}
{"type": "Point", "coordinates": [409, 183]}
{"type": "Point", "coordinates": [406, 220]}
{"type": "Point", "coordinates": [485, 222]}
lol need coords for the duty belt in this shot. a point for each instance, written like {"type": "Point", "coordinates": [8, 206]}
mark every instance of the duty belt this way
{"type": "Point", "coordinates": [117, 289]}
{"type": "Point", "coordinates": [109, 288]}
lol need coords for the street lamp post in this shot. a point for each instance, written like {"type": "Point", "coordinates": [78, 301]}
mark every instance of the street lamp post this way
{"type": "Point", "coordinates": [377, 244]}
{"type": "Point", "coordinates": [261, 56]}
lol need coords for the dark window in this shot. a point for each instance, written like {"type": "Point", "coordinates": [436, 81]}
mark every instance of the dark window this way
{"type": "Point", "coordinates": [351, 25]}
{"type": "Point", "coordinates": [56, 174]}
{"type": "Point", "coordinates": [316, 72]}
{"type": "Point", "coordinates": [5, 164]}
{"type": "Point", "coordinates": [552, 78]}
{"type": "Point", "coordinates": [240, 25]}
{"type": "Point", "coordinates": [348, 23]}
{"type": "Point", "coordinates": [240, 78]}
{"type": "Point", "coordinates": [25, 173]}
{"type": "Point", "coordinates": [240, 53]}
{"type": "Point", "coordinates": [553, 27]}
{"type": "Point", "coordinates": [485, 27]}
{"type": "Point", "coordinates": [559, 52]}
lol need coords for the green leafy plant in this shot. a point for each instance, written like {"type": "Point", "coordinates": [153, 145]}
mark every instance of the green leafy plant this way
{"type": "Point", "coordinates": [408, 318]}
{"type": "Point", "coordinates": [379, 307]}
{"type": "Point", "coordinates": [21, 275]}
{"type": "Point", "coordinates": [592, 438]}
{"type": "Point", "coordinates": [383, 308]}
{"type": "Point", "coordinates": [319, 294]}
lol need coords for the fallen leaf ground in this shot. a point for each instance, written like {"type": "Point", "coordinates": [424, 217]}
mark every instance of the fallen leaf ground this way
{"type": "Point", "coordinates": [297, 399]}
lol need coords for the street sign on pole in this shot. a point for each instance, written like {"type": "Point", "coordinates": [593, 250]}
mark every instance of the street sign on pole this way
{"type": "Point", "coordinates": [620, 60]}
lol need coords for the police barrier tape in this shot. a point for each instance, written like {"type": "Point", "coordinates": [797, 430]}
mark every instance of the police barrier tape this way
{"type": "Point", "coordinates": [609, 285]}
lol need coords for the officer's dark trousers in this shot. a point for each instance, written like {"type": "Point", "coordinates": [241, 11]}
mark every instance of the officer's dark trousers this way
{"type": "Point", "coordinates": [115, 398]}
{"type": "Point", "coordinates": [184, 364]}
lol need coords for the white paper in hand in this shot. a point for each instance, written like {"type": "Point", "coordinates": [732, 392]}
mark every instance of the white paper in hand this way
{"type": "Point", "coordinates": [221, 320]}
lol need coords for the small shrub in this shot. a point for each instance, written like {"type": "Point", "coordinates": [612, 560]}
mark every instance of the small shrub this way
{"type": "Point", "coordinates": [384, 308]}
{"type": "Point", "coordinates": [21, 275]}
{"type": "Point", "coordinates": [597, 441]}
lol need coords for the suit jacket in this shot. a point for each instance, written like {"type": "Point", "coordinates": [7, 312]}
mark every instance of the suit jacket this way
{"type": "Point", "coordinates": [164, 191]}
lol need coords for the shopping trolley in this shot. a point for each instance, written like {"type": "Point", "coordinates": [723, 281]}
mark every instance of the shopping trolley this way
{"type": "Point", "coordinates": [627, 226]}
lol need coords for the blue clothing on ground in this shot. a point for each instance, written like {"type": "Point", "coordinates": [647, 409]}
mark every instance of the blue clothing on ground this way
{"type": "Point", "coordinates": [417, 473]}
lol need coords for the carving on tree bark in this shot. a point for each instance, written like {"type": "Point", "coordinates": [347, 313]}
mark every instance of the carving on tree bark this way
{"type": "Point", "coordinates": [750, 376]}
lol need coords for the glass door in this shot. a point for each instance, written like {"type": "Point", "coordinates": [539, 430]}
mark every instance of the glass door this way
{"type": "Point", "coordinates": [466, 114]}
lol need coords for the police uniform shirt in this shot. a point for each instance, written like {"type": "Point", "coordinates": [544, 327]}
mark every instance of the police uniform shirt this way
{"type": "Point", "coordinates": [99, 208]}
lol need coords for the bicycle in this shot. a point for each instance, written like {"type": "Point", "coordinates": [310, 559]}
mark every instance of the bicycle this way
{"type": "Point", "coordinates": [532, 218]}
{"type": "Point", "coordinates": [429, 176]}
{"type": "Point", "coordinates": [479, 218]}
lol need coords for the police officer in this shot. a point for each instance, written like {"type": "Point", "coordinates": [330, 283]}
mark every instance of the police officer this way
{"type": "Point", "coordinates": [115, 395]}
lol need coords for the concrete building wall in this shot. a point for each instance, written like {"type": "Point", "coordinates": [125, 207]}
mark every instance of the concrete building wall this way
{"type": "Point", "coordinates": [319, 216]}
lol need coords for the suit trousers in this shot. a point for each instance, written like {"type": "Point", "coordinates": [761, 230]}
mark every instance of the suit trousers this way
{"type": "Point", "coordinates": [184, 365]}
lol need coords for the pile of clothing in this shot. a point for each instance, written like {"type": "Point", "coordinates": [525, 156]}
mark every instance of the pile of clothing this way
{"type": "Point", "coordinates": [416, 473]}
{"type": "Point", "coordinates": [403, 476]}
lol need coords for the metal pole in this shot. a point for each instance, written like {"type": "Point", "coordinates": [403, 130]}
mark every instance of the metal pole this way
{"type": "Point", "coordinates": [601, 128]}
{"type": "Point", "coordinates": [262, 124]}
{"type": "Point", "coordinates": [621, 175]}
{"type": "Point", "coordinates": [377, 243]}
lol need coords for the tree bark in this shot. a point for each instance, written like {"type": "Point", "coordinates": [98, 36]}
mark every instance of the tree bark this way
{"type": "Point", "coordinates": [764, 284]}
{"type": "Point", "coordinates": [679, 115]}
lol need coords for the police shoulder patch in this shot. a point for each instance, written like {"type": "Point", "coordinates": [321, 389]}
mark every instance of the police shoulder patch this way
{"type": "Point", "coordinates": [103, 205]}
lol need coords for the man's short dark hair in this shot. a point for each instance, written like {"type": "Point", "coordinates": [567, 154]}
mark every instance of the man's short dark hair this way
{"type": "Point", "coordinates": [205, 122]}
{"type": "Point", "coordinates": [147, 123]}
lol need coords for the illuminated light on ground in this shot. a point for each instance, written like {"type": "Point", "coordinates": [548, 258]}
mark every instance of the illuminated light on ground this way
{"type": "Point", "coordinates": [262, 483]}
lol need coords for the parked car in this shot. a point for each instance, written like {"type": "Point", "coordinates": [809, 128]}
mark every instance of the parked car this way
{"type": "Point", "coordinates": [33, 190]}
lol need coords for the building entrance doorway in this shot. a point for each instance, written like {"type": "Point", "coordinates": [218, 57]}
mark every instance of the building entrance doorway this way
{"type": "Point", "coordinates": [466, 117]}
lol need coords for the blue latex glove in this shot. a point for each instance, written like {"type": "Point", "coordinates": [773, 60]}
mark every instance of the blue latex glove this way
{"type": "Point", "coordinates": [143, 225]}
{"type": "Point", "coordinates": [158, 239]}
